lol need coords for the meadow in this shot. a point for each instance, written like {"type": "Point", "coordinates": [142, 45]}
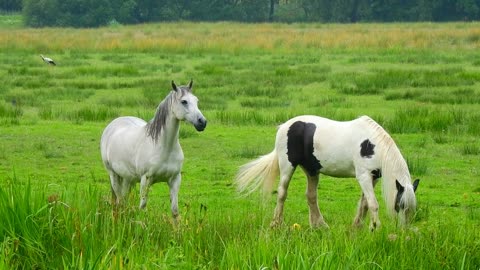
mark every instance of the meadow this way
{"type": "Point", "coordinates": [419, 81]}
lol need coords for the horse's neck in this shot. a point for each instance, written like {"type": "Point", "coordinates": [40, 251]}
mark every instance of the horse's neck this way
{"type": "Point", "coordinates": [169, 134]}
{"type": "Point", "coordinates": [398, 165]}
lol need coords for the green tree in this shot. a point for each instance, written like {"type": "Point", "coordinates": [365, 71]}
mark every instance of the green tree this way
{"type": "Point", "coordinates": [467, 9]}
{"type": "Point", "coordinates": [11, 5]}
{"type": "Point", "coordinates": [40, 13]}
{"type": "Point", "coordinates": [71, 13]}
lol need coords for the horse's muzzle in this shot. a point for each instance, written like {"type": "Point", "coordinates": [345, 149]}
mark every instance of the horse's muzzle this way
{"type": "Point", "coordinates": [201, 124]}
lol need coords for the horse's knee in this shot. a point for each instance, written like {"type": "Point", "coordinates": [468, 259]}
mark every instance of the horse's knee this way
{"type": "Point", "coordinates": [373, 207]}
{"type": "Point", "coordinates": [282, 194]}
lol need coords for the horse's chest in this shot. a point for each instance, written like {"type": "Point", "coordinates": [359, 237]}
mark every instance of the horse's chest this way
{"type": "Point", "coordinates": [164, 167]}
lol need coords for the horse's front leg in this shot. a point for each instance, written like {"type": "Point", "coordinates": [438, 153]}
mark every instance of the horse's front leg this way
{"type": "Point", "coordinates": [316, 218]}
{"type": "Point", "coordinates": [362, 208]}
{"type": "Point", "coordinates": [144, 188]}
{"type": "Point", "coordinates": [365, 181]}
{"type": "Point", "coordinates": [174, 185]}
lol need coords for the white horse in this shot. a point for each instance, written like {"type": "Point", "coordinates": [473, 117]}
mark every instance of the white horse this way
{"type": "Point", "coordinates": [360, 148]}
{"type": "Point", "coordinates": [136, 151]}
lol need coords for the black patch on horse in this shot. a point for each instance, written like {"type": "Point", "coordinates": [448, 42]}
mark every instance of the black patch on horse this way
{"type": "Point", "coordinates": [376, 174]}
{"type": "Point", "coordinates": [366, 149]}
{"type": "Point", "coordinates": [398, 204]}
{"type": "Point", "coordinates": [300, 147]}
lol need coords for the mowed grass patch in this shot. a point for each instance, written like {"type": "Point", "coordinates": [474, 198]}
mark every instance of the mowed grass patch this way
{"type": "Point", "coordinates": [438, 96]}
{"type": "Point", "coordinates": [376, 81]}
{"type": "Point", "coordinates": [86, 113]}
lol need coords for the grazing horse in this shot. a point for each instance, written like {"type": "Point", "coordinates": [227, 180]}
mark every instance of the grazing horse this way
{"type": "Point", "coordinates": [136, 151]}
{"type": "Point", "coordinates": [359, 148]}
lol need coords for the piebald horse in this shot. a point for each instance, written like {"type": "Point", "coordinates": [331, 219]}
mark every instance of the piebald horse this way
{"type": "Point", "coordinates": [136, 151]}
{"type": "Point", "coordinates": [359, 148]}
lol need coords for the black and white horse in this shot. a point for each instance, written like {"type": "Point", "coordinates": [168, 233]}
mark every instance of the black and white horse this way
{"type": "Point", "coordinates": [359, 148]}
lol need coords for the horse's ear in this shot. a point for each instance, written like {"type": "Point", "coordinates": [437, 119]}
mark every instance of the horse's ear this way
{"type": "Point", "coordinates": [174, 86]}
{"type": "Point", "coordinates": [400, 188]}
{"type": "Point", "coordinates": [415, 184]}
{"type": "Point", "coordinates": [190, 85]}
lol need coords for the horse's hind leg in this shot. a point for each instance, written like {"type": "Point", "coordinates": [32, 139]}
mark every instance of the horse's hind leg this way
{"type": "Point", "coordinates": [116, 187]}
{"type": "Point", "coordinates": [144, 187]}
{"type": "Point", "coordinates": [316, 218]}
{"type": "Point", "coordinates": [286, 171]}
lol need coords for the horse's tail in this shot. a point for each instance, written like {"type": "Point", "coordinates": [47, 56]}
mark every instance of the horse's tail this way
{"type": "Point", "coordinates": [262, 171]}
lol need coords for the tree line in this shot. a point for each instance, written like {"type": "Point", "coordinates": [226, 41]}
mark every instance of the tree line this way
{"type": "Point", "coordinates": [93, 13]}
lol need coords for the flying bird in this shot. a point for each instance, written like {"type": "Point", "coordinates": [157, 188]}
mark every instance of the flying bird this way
{"type": "Point", "coordinates": [48, 60]}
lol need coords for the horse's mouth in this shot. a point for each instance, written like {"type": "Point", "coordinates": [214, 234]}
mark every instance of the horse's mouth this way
{"type": "Point", "coordinates": [201, 126]}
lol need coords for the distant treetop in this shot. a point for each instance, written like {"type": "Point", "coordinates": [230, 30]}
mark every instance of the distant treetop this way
{"type": "Point", "coordinates": [89, 13]}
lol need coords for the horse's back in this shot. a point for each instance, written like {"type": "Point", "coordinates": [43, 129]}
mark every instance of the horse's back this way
{"type": "Point", "coordinates": [119, 137]}
{"type": "Point", "coordinates": [126, 121]}
{"type": "Point", "coordinates": [331, 129]}
{"type": "Point", "coordinates": [335, 144]}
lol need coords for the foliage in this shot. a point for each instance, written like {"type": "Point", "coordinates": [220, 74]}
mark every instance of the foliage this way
{"type": "Point", "coordinates": [11, 5]}
{"type": "Point", "coordinates": [89, 13]}
{"type": "Point", "coordinates": [64, 13]}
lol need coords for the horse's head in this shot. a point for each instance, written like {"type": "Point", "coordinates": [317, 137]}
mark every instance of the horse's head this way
{"type": "Point", "coordinates": [405, 201]}
{"type": "Point", "coordinates": [185, 106]}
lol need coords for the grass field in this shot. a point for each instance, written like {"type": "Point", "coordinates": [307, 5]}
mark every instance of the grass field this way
{"type": "Point", "coordinates": [420, 81]}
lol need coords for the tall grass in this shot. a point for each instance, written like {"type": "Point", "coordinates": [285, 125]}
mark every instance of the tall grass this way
{"type": "Point", "coordinates": [251, 117]}
{"type": "Point", "coordinates": [76, 228]}
{"type": "Point", "coordinates": [10, 111]}
{"type": "Point", "coordinates": [85, 113]}
{"type": "Point", "coordinates": [426, 118]}
{"type": "Point", "coordinates": [177, 37]}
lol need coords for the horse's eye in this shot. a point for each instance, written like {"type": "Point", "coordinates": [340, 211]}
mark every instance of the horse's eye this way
{"type": "Point", "coordinates": [184, 102]}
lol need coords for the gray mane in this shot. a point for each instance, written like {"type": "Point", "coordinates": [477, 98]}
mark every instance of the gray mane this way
{"type": "Point", "coordinates": [155, 126]}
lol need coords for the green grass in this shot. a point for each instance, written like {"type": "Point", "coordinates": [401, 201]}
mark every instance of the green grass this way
{"type": "Point", "coordinates": [55, 194]}
{"type": "Point", "coordinates": [11, 20]}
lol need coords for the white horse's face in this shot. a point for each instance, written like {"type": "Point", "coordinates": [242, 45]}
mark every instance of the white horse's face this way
{"type": "Point", "coordinates": [185, 107]}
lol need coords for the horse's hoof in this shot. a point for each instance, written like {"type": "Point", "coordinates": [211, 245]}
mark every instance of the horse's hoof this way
{"type": "Point", "coordinates": [323, 225]}
{"type": "Point", "coordinates": [357, 225]}
{"type": "Point", "coordinates": [275, 224]}
{"type": "Point", "coordinates": [374, 226]}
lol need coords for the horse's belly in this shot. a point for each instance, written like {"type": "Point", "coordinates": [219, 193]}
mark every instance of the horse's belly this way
{"type": "Point", "coordinates": [337, 169]}
{"type": "Point", "coordinates": [125, 170]}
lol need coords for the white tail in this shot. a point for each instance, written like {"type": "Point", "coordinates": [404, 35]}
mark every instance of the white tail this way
{"type": "Point", "coordinates": [252, 175]}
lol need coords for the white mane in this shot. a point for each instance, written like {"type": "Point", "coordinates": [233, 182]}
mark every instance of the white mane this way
{"type": "Point", "coordinates": [394, 167]}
